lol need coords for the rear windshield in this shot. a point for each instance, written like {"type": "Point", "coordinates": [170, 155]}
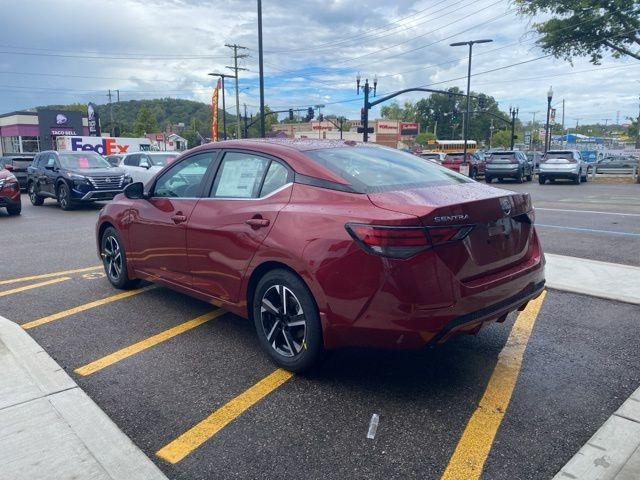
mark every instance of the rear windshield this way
{"type": "Point", "coordinates": [565, 155]}
{"type": "Point", "coordinates": [501, 157]}
{"type": "Point", "coordinates": [83, 160]}
{"type": "Point", "coordinates": [378, 169]}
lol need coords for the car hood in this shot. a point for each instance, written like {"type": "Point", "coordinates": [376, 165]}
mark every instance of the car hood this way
{"type": "Point", "coordinates": [98, 172]}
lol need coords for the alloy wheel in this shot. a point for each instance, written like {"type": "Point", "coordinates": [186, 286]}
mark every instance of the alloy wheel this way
{"type": "Point", "coordinates": [283, 321]}
{"type": "Point", "coordinates": [63, 197]}
{"type": "Point", "coordinates": [32, 193]}
{"type": "Point", "coordinates": [112, 257]}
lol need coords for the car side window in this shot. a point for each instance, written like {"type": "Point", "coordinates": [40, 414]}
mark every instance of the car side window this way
{"type": "Point", "coordinates": [184, 179]}
{"type": "Point", "coordinates": [132, 160]}
{"type": "Point", "coordinates": [277, 176]}
{"type": "Point", "coordinates": [240, 175]}
{"type": "Point", "coordinates": [51, 160]}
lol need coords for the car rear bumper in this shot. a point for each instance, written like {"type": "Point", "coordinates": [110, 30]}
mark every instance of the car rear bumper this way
{"type": "Point", "coordinates": [390, 319]}
{"type": "Point", "coordinates": [502, 172]}
{"type": "Point", "coordinates": [561, 175]}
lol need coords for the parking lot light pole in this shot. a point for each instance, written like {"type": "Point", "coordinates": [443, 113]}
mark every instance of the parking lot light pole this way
{"type": "Point", "coordinates": [514, 113]}
{"type": "Point", "coordinates": [547, 134]}
{"type": "Point", "coordinates": [465, 128]}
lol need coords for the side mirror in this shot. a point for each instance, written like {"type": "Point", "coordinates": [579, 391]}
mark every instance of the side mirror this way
{"type": "Point", "coordinates": [50, 167]}
{"type": "Point", "coordinates": [135, 191]}
{"type": "Point", "coordinates": [144, 163]}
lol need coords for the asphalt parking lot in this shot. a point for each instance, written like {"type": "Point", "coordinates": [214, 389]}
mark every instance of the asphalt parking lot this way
{"type": "Point", "coordinates": [159, 363]}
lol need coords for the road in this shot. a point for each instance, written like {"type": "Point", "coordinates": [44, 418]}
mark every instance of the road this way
{"type": "Point", "coordinates": [163, 368]}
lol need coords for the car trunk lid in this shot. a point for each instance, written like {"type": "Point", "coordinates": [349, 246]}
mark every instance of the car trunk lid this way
{"type": "Point", "coordinates": [502, 223]}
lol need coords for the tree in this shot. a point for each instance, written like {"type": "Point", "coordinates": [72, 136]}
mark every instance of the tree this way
{"type": "Point", "coordinates": [424, 137]}
{"type": "Point", "coordinates": [145, 122]}
{"type": "Point", "coordinates": [502, 139]}
{"type": "Point", "coordinates": [586, 27]}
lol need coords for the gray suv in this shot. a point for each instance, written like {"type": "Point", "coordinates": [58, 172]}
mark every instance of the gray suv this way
{"type": "Point", "coordinates": [508, 164]}
{"type": "Point", "coordinates": [563, 164]}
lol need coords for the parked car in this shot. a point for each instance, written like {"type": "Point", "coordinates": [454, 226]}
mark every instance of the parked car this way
{"type": "Point", "coordinates": [142, 166]}
{"type": "Point", "coordinates": [535, 158]}
{"type": "Point", "coordinates": [508, 164]}
{"type": "Point", "coordinates": [327, 244]}
{"type": "Point", "coordinates": [73, 177]}
{"type": "Point", "coordinates": [17, 164]}
{"type": "Point", "coordinates": [10, 192]}
{"type": "Point", "coordinates": [115, 159]}
{"type": "Point", "coordinates": [563, 164]}
{"type": "Point", "coordinates": [476, 163]}
{"type": "Point", "coordinates": [437, 157]}
{"type": "Point", "coordinates": [618, 161]}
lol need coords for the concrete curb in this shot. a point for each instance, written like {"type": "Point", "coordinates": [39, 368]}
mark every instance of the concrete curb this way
{"type": "Point", "coordinates": [51, 429]}
{"type": "Point", "coordinates": [613, 453]}
{"type": "Point", "coordinates": [611, 281]}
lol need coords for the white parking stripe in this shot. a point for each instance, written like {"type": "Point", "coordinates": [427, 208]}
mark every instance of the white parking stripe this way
{"type": "Point", "coordinates": [589, 211]}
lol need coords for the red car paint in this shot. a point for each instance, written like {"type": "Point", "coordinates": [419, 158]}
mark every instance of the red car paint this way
{"type": "Point", "coordinates": [452, 161]}
{"type": "Point", "coordinates": [9, 190]}
{"type": "Point", "coordinates": [363, 299]}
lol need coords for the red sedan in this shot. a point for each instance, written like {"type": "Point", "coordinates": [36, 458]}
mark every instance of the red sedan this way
{"type": "Point", "coordinates": [327, 244]}
{"type": "Point", "coordinates": [10, 192]}
{"type": "Point", "coordinates": [476, 163]}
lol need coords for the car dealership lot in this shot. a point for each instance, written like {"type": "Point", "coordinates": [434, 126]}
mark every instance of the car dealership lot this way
{"type": "Point", "coordinates": [164, 366]}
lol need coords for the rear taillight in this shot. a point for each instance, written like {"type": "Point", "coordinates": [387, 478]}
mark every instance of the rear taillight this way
{"type": "Point", "coordinates": [8, 166]}
{"type": "Point", "coordinates": [403, 242]}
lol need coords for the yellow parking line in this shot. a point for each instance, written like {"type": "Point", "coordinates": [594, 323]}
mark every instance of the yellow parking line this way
{"type": "Point", "coordinates": [82, 308]}
{"type": "Point", "coordinates": [138, 347]}
{"type": "Point", "coordinates": [49, 275]}
{"type": "Point", "coordinates": [186, 443]}
{"type": "Point", "coordinates": [472, 450]}
{"type": "Point", "coordinates": [34, 285]}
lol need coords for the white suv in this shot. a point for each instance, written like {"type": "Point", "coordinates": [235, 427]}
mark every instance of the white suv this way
{"type": "Point", "coordinates": [563, 164]}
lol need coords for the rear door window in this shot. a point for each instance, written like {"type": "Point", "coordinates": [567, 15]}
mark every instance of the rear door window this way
{"type": "Point", "coordinates": [240, 175]}
{"type": "Point", "coordinates": [378, 169]}
{"type": "Point", "coordinates": [185, 179]}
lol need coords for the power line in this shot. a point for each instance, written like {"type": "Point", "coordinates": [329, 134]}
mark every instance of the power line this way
{"type": "Point", "coordinates": [107, 57]}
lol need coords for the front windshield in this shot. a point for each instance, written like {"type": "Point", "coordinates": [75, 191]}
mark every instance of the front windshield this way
{"type": "Point", "coordinates": [378, 169]}
{"type": "Point", "coordinates": [82, 160]}
{"type": "Point", "coordinates": [162, 160]}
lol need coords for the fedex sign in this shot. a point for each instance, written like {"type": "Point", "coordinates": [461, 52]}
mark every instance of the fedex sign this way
{"type": "Point", "coordinates": [103, 145]}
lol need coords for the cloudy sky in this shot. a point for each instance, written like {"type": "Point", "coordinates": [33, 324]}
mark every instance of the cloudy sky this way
{"type": "Point", "coordinates": [74, 51]}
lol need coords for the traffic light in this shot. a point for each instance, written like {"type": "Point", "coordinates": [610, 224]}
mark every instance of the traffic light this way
{"type": "Point", "coordinates": [481, 102]}
{"type": "Point", "coordinates": [310, 114]}
{"type": "Point", "coordinates": [291, 114]}
{"type": "Point", "coordinates": [363, 116]}
{"type": "Point", "coordinates": [321, 117]}
{"type": "Point", "coordinates": [437, 116]}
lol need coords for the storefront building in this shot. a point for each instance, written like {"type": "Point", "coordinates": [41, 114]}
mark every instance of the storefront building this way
{"type": "Point", "coordinates": [31, 131]}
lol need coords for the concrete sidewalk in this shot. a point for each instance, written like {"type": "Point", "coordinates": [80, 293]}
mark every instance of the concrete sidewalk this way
{"type": "Point", "coordinates": [50, 429]}
{"type": "Point", "coordinates": [590, 277]}
{"type": "Point", "coordinates": [613, 453]}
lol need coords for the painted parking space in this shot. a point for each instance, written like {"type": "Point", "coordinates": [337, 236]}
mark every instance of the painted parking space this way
{"type": "Point", "coordinates": [197, 394]}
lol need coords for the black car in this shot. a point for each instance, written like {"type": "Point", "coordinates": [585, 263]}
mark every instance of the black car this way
{"type": "Point", "coordinates": [17, 164]}
{"type": "Point", "coordinates": [73, 177]}
{"type": "Point", "coordinates": [508, 164]}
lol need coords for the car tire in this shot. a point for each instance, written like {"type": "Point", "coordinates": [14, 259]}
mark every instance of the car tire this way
{"type": "Point", "coordinates": [520, 178]}
{"type": "Point", "coordinates": [14, 210]}
{"type": "Point", "coordinates": [530, 176]}
{"type": "Point", "coordinates": [36, 199]}
{"type": "Point", "coordinates": [114, 260]}
{"type": "Point", "coordinates": [293, 347]}
{"type": "Point", "coordinates": [63, 195]}
{"type": "Point", "coordinates": [576, 180]}
{"type": "Point", "coordinates": [541, 180]}
{"type": "Point", "coordinates": [474, 174]}
{"type": "Point", "coordinates": [488, 179]}
{"type": "Point", "coordinates": [585, 177]}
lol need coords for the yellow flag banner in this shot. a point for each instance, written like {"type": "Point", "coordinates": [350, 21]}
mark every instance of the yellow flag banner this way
{"type": "Point", "coordinates": [214, 111]}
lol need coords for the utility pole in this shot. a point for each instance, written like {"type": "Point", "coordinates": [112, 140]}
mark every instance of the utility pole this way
{"type": "Point", "coordinates": [236, 69]}
{"type": "Point", "coordinates": [465, 124]}
{"type": "Point", "coordinates": [564, 135]}
{"type": "Point", "coordinates": [261, 69]}
{"type": "Point", "coordinates": [110, 112]}
{"type": "Point", "coordinates": [364, 113]}
{"type": "Point", "coordinates": [246, 130]}
{"type": "Point", "coordinates": [638, 131]}
{"type": "Point", "coordinates": [547, 133]}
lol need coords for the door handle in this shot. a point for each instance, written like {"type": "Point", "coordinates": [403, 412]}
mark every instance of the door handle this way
{"type": "Point", "coordinates": [257, 222]}
{"type": "Point", "coordinates": [179, 218]}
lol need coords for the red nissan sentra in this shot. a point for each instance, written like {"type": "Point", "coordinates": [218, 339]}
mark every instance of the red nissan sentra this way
{"type": "Point", "coordinates": [327, 244]}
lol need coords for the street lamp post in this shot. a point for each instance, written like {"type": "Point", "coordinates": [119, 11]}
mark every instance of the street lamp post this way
{"type": "Point", "coordinates": [465, 128]}
{"type": "Point", "coordinates": [513, 112]}
{"type": "Point", "coordinates": [547, 135]}
{"type": "Point", "coordinates": [224, 111]}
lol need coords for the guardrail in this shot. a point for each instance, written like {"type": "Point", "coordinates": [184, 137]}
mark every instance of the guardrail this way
{"type": "Point", "coordinates": [632, 171]}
